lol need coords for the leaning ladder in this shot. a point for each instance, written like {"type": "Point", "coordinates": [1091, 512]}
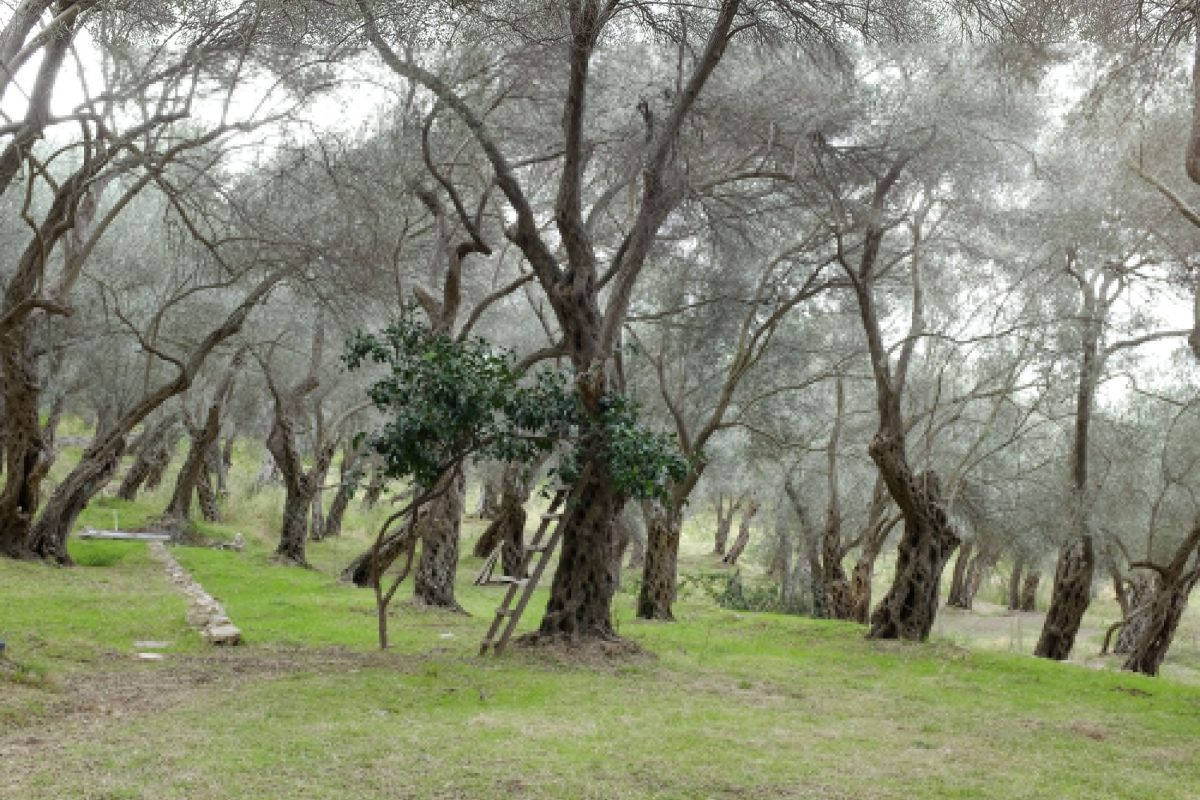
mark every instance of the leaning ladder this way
{"type": "Point", "coordinates": [520, 588]}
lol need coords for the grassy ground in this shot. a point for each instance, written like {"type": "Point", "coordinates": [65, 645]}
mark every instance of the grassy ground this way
{"type": "Point", "coordinates": [718, 705]}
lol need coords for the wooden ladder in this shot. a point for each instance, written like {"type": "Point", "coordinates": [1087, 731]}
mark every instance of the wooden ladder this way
{"type": "Point", "coordinates": [521, 588]}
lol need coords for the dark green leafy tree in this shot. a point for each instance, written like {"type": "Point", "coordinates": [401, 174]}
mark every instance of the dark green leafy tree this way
{"type": "Point", "coordinates": [449, 399]}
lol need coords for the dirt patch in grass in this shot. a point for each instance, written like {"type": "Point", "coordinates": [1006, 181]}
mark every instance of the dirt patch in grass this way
{"type": "Point", "coordinates": [122, 688]}
{"type": "Point", "coordinates": [601, 655]}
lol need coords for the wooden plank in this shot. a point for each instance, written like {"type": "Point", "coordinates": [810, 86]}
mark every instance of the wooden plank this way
{"type": "Point", "coordinates": [125, 536]}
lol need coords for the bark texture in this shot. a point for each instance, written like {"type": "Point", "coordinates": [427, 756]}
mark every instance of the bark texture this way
{"type": "Point", "coordinates": [657, 594]}
{"type": "Point", "coordinates": [433, 584]}
{"type": "Point", "coordinates": [1070, 598]}
{"type": "Point", "coordinates": [1176, 581]}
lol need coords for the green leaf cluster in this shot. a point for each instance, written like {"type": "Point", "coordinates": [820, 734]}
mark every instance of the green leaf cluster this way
{"type": "Point", "coordinates": [446, 399]}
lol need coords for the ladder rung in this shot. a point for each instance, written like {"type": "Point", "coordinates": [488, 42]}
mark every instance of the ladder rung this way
{"type": "Point", "coordinates": [510, 579]}
{"type": "Point", "coordinates": [504, 612]}
{"type": "Point", "coordinates": [537, 548]}
{"type": "Point", "coordinates": [552, 517]}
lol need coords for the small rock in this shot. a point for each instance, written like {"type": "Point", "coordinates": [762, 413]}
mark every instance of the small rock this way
{"type": "Point", "coordinates": [228, 635]}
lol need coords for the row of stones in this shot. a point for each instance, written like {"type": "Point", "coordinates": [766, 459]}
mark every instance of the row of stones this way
{"type": "Point", "coordinates": [204, 613]}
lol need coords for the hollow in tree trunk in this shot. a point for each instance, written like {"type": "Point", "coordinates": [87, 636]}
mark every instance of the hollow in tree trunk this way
{"type": "Point", "coordinates": [1069, 599]}
{"type": "Point", "coordinates": [663, 527]}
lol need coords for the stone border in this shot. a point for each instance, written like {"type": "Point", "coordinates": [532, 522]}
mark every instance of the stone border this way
{"type": "Point", "coordinates": [204, 613]}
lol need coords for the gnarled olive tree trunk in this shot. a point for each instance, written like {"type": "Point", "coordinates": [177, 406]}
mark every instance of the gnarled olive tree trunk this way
{"type": "Point", "coordinates": [909, 608]}
{"type": "Point", "coordinates": [1140, 591]}
{"type": "Point", "coordinates": [202, 437]}
{"type": "Point", "coordinates": [507, 528]}
{"type": "Point", "coordinates": [152, 452]}
{"type": "Point", "coordinates": [433, 584]}
{"type": "Point", "coordinates": [1014, 583]}
{"type": "Point", "coordinates": [956, 596]}
{"type": "Point", "coordinates": [664, 525]}
{"type": "Point", "coordinates": [725, 512]}
{"type": "Point", "coordinates": [1069, 599]}
{"type": "Point", "coordinates": [1176, 581]}
{"type": "Point", "coordinates": [1029, 590]}
{"type": "Point", "coordinates": [749, 511]}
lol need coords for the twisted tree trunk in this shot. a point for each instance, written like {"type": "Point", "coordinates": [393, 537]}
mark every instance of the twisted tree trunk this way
{"type": "Point", "coordinates": [663, 527]}
{"type": "Point", "coordinates": [1177, 579]}
{"type": "Point", "coordinates": [1143, 586]}
{"type": "Point", "coordinates": [150, 451]}
{"type": "Point", "coordinates": [433, 584]}
{"type": "Point", "coordinates": [1069, 599]}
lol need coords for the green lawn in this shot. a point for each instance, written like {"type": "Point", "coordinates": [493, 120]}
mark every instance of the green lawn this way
{"type": "Point", "coordinates": [718, 705]}
{"type": "Point", "coordinates": [722, 705]}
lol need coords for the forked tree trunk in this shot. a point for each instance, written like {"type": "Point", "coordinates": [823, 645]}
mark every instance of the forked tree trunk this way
{"type": "Point", "coordinates": [983, 563]}
{"type": "Point", "coordinates": [149, 451]}
{"type": "Point", "coordinates": [724, 523]}
{"type": "Point", "coordinates": [749, 511]}
{"type": "Point", "coordinates": [179, 508]}
{"type": "Point", "coordinates": [433, 584]}
{"type": "Point", "coordinates": [1014, 583]}
{"type": "Point", "coordinates": [1070, 598]}
{"type": "Point", "coordinates": [1029, 590]}
{"type": "Point", "coordinates": [1165, 612]}
{"type": "Point", "coordinates": [663, 527]}
{"type": "Point", "coordinates": [837, 586]}
{"type": "Point", "coordinates": [1176, 581]}
{"type": "Point", "coordinates": [957, 595]}
{"type": "Point", "coordinates": [1143, 586]}
{"type": "Point", "coordinates": [874, 537]}
{"type": "Point", "coordinates": [299, 484]}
